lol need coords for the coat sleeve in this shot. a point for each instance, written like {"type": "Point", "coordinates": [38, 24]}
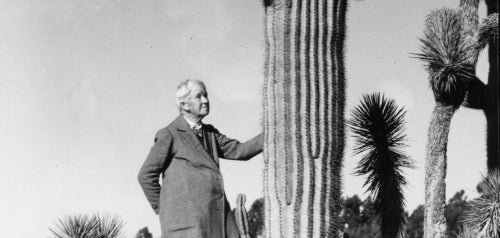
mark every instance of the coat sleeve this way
{"type": "Point", "coordinates": [155, 163]}
{"type": "Point", "coordinates": [235, 150]}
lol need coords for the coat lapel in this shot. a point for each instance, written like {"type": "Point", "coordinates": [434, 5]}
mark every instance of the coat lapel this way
{"type": "Point", "coordinates": [192, 141]}
{"type": "Point", "coordinates": [213, 144]}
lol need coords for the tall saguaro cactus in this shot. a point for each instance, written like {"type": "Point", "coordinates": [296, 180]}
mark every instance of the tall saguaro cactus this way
{"type": "Point", "coordinates": [303, 116]}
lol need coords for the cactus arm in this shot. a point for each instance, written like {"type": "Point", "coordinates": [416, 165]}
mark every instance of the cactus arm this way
{"type": "Point", "coordinates": [241, 216]}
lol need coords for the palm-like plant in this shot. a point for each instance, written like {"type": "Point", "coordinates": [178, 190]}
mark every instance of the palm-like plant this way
{"type": "Point", "coordinates": [483, 214]}
{"type": "Point", "coordinates": [78, 226]}
{"type": "Point", "coordinates": [378, 127]}
{"type": "Point", "coordinates": [445, 51]}
{"type": "Point", "coordinates": [83, 226]}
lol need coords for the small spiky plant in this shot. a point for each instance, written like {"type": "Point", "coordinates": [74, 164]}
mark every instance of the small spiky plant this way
{"type": "Point", "coordinates": [77, 226]}
{"type": "Point", "coordinates": [378, 127]}
{"type": "Point", "coordinates": [109, 226]}
{"type": "Point", "coordinates": [445, 51]}
{"type": "Point", "coordinates": [483, 214]}
{"type": "Point", "coordinates": [83, 226]}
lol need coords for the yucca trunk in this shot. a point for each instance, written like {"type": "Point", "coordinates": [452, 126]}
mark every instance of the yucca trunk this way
{"type": "Point", "coordinates": [481, 96]}
{"type": "Point", "coordinates": [303, 117]}
{"type": "Point", "coordinates": [435, 171]}
{"type": "Point", "coordinates": [493, 110]}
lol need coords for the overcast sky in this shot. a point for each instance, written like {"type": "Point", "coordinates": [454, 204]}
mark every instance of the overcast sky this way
{"type": "Point", "coordinates": [84, 86]}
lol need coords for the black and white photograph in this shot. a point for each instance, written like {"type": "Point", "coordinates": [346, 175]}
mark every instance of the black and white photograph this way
{"type": "Point", "coordinates": [249, 119]}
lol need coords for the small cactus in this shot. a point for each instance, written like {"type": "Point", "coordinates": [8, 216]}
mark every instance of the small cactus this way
{"type": "Point", "coordinates": [241, 216]}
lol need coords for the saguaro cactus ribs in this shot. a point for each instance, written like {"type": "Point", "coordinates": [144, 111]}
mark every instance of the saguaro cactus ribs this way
{"type": "Point", "coordinates": [303, 116]}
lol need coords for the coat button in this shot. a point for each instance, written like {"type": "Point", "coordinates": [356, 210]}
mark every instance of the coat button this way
{"type": "Point", "coordinates": [154, 206]}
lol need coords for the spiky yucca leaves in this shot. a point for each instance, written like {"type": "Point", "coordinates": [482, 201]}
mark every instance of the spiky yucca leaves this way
{"type": "Point", "coordinates": [78, 226]}
{"type": "Point", "coordinates": [109, 226]}
{"type": "Point", "coordinates": [488, 31]}
{"type": "Point", "coordinates": [378, 127]}
{"type": "Point", "coordinates": [445, 52]}
{"type": "Point", "coordinates": [483, 214]}
{"type": "Point", "coordinates": [83, 226]}
{"type": "Point", "coordinates": [467, 233]}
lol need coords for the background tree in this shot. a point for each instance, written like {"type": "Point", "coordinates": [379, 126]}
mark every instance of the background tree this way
{"type": "Point", "coordinates": [445, 51]}
{"type": "Point", "coordinates": [454, 216]}
{"type": "Point", "coordinates": [359, 218]}
{"type": "Point", "coordinates": [378, 127]}
{"type": "Point", "coordinates": [144, 233]}
{"type": "Point", "coordinates": [415, 225]}
{"type": "Point", "coordinates": [454, 213]}
{"type": "Point", "coordinates": [351, 212]}
{"type": "Point", "coordinates": [256, 218]}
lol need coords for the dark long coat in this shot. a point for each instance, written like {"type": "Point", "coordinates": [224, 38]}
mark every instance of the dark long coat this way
{"type": "Point", "coordinates": [191, 201]}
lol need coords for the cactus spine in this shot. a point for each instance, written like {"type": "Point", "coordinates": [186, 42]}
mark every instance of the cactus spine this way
{"type": "Point", "coordinates": [303, 117]}
{"type": "Point", "coordinates": [241, 216]}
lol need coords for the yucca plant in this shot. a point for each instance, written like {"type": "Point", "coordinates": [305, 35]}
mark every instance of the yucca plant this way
{"type": "Point", "coordinates": [378, 127]}
{"type": "Point", "coordinates": [483, 214]}
{"type": "Point", "coordinates": [83, 226]}
{"type": "Point", "coordinates": [479, 95]}
{"type": "Point", "coordinates": [445, 51]}
{"type": "Point", "coordinates": [109, 226]}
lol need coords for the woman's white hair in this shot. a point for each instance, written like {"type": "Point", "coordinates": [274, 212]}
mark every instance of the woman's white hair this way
{"type": "Point", "coordinates": [184, 90]}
